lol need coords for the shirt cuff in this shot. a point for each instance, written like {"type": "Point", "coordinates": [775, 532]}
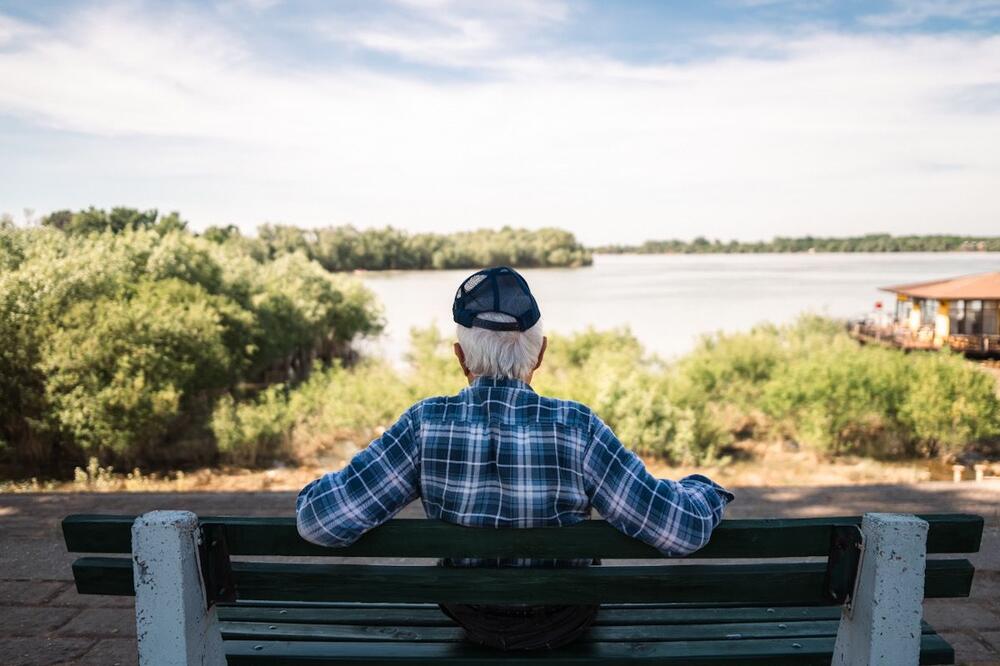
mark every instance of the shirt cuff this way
{"type": "Point", "coordinates": [726, 496]}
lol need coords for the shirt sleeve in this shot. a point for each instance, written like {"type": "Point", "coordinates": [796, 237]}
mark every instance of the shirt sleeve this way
{"type": "Point", "coordinates": [675, 517]}
{"type": "Point", "coordinates": [337, 508]}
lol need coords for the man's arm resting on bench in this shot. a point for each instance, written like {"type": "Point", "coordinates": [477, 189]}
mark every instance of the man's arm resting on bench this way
{"type": "Point", "coordinates": [337, 508]}
{"type": "Point", "coordinates": [675, 517]}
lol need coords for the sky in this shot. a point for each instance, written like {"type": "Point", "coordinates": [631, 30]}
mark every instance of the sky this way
{"type": "Point", "coordinates": [620, 121]}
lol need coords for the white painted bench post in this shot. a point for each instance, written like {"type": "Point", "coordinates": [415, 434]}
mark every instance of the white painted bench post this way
{"type": "Point", "coordinates": [173, 623]}
{"type": "Point", "coordinates": [884, 625]}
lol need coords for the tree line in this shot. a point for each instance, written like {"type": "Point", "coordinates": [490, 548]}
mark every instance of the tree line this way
{"type": "Point", "coordinates": [866, 243]}
{"type": "Point", "coordinates": [346, 248]}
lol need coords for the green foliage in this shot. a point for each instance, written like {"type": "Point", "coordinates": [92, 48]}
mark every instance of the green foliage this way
{"type": "Point", "coordinates": [332, 408]}
{"type": "Point", "coordinates": [299, 305]}
{"type": "Point", "coordinates": [125, 329]}
{"type": "Point", "coordinates": [346, 248]}
{"type": "Point", "coordinates": [811, 383]}
{"type": "Point", "coordinates": [119, 372]}
{"type": "Point", "coordinates": [866, 243]}
{"type": "Point", "coordinates": [128, 339]}
{"type": "Point", "coordinates": [121, 329]}
{"type": "Point", "coordinates": [253, 432]}
{"type": "Point", "coordinates": [117, 220]}
{"type": "Point", "coordinates": [636, 395]}
{"type": "Point", "coordinates": [11, 250]}
{"type": "Point", "coordinates": [732, 368]}
{"type": "Point", "coordinates": [840, 398]}
{"type": "Point", "coordinates": [342, 409]}
{"type": "Point", "coordinates": [949, 405]}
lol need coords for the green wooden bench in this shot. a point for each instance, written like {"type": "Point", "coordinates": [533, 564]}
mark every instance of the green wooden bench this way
{"type": "Point", "coordinates": [194, 604]}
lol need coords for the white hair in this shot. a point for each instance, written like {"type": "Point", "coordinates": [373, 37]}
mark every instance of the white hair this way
{"type": "Point", "coordinates": [504, 354]}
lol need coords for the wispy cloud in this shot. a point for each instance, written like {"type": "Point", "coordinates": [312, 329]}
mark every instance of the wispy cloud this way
{"type": "Point", "coordinates": [12, 29]}
{"type": "Point", "coordinates": [916, 12]}
{"type": "Point", "coordinates": [251, 5]}
{"type": "Point", "coordinates": [450, 33]}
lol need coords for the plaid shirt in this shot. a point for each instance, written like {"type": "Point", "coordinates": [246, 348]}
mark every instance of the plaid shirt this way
{"type": "Point", "coordinates": [499, 455]}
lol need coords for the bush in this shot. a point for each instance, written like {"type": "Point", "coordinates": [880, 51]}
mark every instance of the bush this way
{"type": "Point", "coordinates": [119, 373]}
{"type": "Point", "coordinates": [253, 432]}
{"type": "Point", "coordinates": [339, 410]}
{"type": "Point", "coordinates": [840, 398]}
{"type": "Point", "coordinates": [808, 382]}
{"type": "Point", "coordinates": [120, 330]}
{"type": "Point", "coordinates": [811, 383]}
{"type": "Point", "coordinates": [948, 405]}
{"type": "Point", "coordinates": [732, 368]}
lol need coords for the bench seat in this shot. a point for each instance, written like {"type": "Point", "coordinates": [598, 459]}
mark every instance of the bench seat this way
{"type": "Point", "coordinates": [421, 634]}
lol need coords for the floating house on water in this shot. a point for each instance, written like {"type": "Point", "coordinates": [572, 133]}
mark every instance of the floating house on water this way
{"type": "Point", "coordinates": [960, 313]}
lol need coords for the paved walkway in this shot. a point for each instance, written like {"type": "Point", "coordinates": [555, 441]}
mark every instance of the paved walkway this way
{"type": "Point", "coordinates": [44, 620]}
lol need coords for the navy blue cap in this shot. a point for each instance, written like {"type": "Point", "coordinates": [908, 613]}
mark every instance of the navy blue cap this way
{"type": "Point", "coordinates": [500, 289]}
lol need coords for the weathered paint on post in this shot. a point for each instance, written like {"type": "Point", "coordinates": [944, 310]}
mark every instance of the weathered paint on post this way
{"type": "Point", "coordinates": [174, 625]}
{"type": "Point", "coordinates": [884, 626]}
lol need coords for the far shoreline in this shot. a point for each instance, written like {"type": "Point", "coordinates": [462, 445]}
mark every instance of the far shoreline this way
{"type": "Point", "coordinates": [362, 272]}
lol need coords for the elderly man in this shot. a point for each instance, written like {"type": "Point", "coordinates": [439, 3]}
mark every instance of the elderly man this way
{"type": "Point", "coordinates": [500, 455]}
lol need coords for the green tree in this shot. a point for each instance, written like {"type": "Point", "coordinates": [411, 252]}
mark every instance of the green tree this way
{"type": "Point", "coordinates": [120, 373]}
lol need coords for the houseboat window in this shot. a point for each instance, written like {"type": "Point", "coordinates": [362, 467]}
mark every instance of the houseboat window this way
{"type": "Point", "coordinates": [973, 318]}
{"type": "Point", "coordinates": [956, 315]}
{"type": "Point", "coordinates": [903, 309]}
{"type": "Point", "coordinates": [928, 311]}
{"type": "Point", "coordinates": [990, 323]}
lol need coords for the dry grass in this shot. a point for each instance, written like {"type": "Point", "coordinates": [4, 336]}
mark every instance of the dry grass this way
{"type": "Point", "coordinates": [747, 464]}
{"type": "Point", "coordinates": [774, 464]}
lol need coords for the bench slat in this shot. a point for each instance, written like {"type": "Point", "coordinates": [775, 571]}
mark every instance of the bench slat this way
{"type": "Point", "coordinates": [755, 584]}
{"type": "Point", "coordinates": [404, 631]}
{"type": "Point", "coordinates": [749, 538]}
{"type": "Point", "coordinates": [779, 652]}
{"type": "Point", "coordinates": [423, 616]}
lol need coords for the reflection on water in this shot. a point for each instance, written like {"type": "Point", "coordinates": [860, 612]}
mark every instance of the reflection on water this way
{"type": "Point", "coordinates": [669, 300]}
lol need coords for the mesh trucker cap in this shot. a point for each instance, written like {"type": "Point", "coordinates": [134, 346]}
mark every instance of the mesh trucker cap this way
{"type": "Point", "coordinates": [500, 289]}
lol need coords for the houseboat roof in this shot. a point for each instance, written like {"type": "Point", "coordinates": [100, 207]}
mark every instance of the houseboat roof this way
{"type": "Point", "coordinates": [983, 286]}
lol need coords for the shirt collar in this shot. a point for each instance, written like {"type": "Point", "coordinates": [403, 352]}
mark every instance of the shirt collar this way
{"type": "Point", "coordinates": [500, 382]}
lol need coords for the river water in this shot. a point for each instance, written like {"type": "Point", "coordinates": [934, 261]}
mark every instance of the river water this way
{"type": "Point", "coordinates": [670, 300]}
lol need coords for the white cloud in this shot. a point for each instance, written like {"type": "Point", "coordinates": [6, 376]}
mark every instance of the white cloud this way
{"type": "Point", "coordinates": [916, 12]}
{"type": "Point", "coordinates": [11, 29]}
{"type": "Point", "coordinates": [841, 134]}
{"type": "Point", "coordinates": [254, 6]}
{"type": "Point", "coordinates": [450, 33]}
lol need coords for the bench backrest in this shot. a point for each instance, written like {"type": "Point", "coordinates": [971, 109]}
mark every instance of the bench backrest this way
{"type": "Point", "coordinates": [824, 581]}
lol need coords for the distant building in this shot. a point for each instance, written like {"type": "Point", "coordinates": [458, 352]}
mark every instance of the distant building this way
{"type": "Point", "coordinates": [960, 313]}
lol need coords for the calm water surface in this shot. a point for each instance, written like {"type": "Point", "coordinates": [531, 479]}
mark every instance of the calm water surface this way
{"type": "Point", "coordinates": [669, 300]}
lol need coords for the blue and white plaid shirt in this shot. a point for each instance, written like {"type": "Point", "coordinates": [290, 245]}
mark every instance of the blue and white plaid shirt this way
{"type": "Point", "coordinates": [500, 455]}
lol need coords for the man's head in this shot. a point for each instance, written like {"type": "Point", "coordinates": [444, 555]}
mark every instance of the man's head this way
{"type": "Point", "coordinates": [499, 326]}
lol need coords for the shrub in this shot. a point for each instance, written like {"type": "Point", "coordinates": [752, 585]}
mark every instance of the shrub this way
{"type": "Point", "coordinates": [340, 409]}
{"type": "Point", "coordinates": [948, 405]}
{"type": "Point", "coordinates": [119, 373]}
{"type": "Point", "coordinates": [733, 368]}
{"type": "Point", "coordinates": [253, 432]}
{"type": "Point", "coordinates": [807, 381]}
{"type": "Point", "coordinates": [121, 329]}
{"type": "Point", "coordinates": [840, 399]}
